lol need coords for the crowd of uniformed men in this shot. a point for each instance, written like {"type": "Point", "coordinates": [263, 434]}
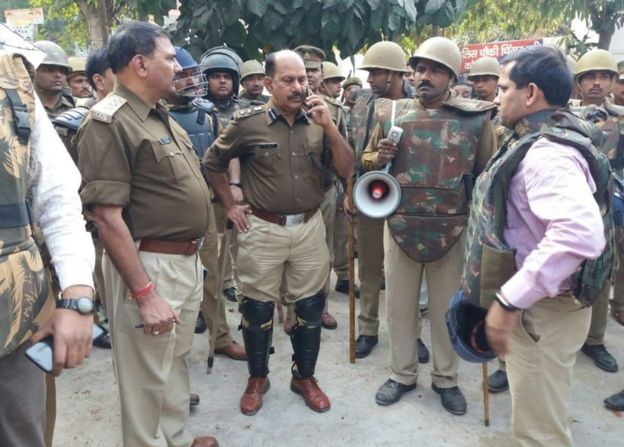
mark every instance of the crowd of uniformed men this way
{"type": "Point", "coordinates": [155, 134]}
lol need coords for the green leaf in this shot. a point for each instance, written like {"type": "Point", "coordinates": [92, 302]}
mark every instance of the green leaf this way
{"type": "Point", "coordinates": [445, 16]}
{"type": "Point", "coordinates": [258, 7]}
{"type": "Point", "coordinates": [434, 6]}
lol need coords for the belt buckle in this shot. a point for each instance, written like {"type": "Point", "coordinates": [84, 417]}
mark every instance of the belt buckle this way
{"type": "Point", "coordinates": [294, 219]}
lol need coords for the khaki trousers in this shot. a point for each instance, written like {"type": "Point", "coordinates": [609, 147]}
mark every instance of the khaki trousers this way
{"type": "Point", "coordinates": [230, 273]}
{"type": "Point", "coordinates": [540, 361]}
{"type": "Point", "coordinates": [341, 245]}
{"type": "Point", "coordinates": [22, 401]}
{"type": "Point", "coordinates": [370, 270]}
{"type": "Point", "coordinates": [403, 281]}
{"type": "Point", "coordinates": [209, 254]}
{"type": "Point", "coordinates": [277, 262]}
{"type": "Point", "coordinates": [152, 371]}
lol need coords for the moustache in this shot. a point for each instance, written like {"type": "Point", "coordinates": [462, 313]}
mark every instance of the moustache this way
{"type": "Point", "coordinates": [296, 97]}
{"type": "Point", "coordinates": [424, 84]}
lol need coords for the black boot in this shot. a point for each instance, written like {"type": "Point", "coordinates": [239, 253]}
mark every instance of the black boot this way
{"type": "Point", "coordinates": [306, 335]}
{"type": "Point", "coordinates": [257, 327]}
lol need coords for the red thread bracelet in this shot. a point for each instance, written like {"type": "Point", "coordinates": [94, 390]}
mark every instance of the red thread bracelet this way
{"type": "Point", "coordinates": [143, 292]}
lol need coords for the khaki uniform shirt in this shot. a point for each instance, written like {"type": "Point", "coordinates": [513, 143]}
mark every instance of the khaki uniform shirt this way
{"type": "Point", "coordinates": [281, 166]}
{"type": "Point", "coordinates": [137, 157]}
{"type": "Point", "coordinates": [63, 104]}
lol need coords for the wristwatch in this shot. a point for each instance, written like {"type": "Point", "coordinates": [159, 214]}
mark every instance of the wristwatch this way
{"type": "Point", "coordinates": [83, 305]}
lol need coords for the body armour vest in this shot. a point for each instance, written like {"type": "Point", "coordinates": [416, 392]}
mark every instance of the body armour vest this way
{"type": "Point", "coordinates": [490, 261]}
{"type": "Point", "coordinates": [434, 165]}
{"type": "Point", "coordinates": [23, 281]}
{"type": "Point", "coordinates": [199, 119]}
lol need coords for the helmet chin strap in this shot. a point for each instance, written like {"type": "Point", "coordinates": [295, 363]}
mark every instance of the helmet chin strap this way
{"type": "Point", "coordinates": [388, 82]}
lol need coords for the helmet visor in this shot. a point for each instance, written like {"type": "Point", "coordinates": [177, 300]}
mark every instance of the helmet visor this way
{"type": "Point", "coordinates": [193, 86]}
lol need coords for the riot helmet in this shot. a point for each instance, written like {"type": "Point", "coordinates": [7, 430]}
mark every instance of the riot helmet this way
{"type": "Point", "coordinates": [189, 85]}
{"type": "Point", "coordinates": [222, 59]}
{"type": "Point", "coordinates": [385, 55]}
{"type": "Point", "coordinates": [440, 50]}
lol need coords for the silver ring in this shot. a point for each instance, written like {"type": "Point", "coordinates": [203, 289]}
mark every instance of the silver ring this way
{"type": "Point", "coordinates": [156, 333]}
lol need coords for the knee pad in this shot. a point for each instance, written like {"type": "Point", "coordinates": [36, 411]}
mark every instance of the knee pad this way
{"type": "Point", "coordinates": [256, 314]}
{"type": "Point", "coordinates": [309, 310]}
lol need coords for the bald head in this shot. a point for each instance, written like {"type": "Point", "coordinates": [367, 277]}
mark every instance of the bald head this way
{"type": "Point", "coordinates": [276, 60]}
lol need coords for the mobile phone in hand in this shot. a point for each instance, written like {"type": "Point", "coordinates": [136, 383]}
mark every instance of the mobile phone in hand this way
{"type": "Point", "coordinates": [42, 352]}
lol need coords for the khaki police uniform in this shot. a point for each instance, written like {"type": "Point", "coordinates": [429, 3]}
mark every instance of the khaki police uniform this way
{"type": "Point", "coordinates": [137, 157]}
{"type": "Point", "coordinates": [404, 276]}
{"type": "Point", "coordinates": [281, 175]}
{"type": "Point", "coordinates": [64, 103]}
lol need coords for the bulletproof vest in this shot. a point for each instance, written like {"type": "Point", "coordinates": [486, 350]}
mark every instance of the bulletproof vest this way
{"type": "Point", "coordinates": [489, 260]}
{"type": "Point", "coordinates": [23, 282]}
{"type": "Point", "coordinates": [199, 119]}
{"type": "Point", "coordinates": [434, 165]}
{"type": "Point", "coordinates": [362, 123]}
{"type": "Point", "coordinates": [66, 125]}
{"type": "Point", "coordinates": [610, 119]}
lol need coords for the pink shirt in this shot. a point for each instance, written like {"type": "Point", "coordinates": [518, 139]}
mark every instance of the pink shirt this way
{"type": "Point", "coordinates": [552, 220]}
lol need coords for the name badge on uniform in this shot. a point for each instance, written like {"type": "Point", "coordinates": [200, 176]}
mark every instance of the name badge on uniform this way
{"type": "Point", "coordinates": [164, 140]}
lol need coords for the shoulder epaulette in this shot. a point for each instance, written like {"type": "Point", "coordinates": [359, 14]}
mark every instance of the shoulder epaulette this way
{"type": "Point", "coordinates": [106, 108]}
{"type": "Point", "coordinates": [247, 112]}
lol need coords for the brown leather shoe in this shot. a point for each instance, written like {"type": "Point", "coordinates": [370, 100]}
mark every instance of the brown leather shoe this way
{"type": "Point", "coordinates": [233, 351]}
{"type": "Point", "coordinates": [205, 441]}
{"type": "Point", "coordinates": [313, 396]}
{"type": "Point", "coordinates": [328, 322]}
{"type": "Point", "coordinates": [251, 400]}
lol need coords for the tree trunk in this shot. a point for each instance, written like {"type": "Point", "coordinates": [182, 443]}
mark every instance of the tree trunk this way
{"type": "Point", "coordinates": [98, 25]}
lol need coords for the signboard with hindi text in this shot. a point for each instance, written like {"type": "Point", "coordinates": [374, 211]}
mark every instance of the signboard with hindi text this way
{"type": "Point", "coordinates": [472, 52]}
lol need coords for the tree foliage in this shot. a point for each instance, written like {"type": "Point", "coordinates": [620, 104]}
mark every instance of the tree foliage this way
{"type": "Point", "coordinates": [256, 27]}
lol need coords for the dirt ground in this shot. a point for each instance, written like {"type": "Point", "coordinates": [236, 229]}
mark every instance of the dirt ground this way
{"type": "Point", "coordinates": [88, 407]}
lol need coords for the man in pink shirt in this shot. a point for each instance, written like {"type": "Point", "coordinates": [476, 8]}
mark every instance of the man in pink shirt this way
{"type": "Point", "coordinates": [552, 227]}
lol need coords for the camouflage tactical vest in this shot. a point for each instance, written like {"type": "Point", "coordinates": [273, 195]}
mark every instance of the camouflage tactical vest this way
{"type": "Point", "coordinates": [434, 165]}
{"type": "Point", "coordinates": [489, 260]}
{"type": "Point", "coordinates": [24, 288]}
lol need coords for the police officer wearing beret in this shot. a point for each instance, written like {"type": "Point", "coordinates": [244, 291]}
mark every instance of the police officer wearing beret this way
{"type": "Point", "coordinates": [281, 249]}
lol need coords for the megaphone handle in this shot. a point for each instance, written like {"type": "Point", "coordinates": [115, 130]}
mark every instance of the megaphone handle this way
{"type": "Point", "coordinates": [386, 168]}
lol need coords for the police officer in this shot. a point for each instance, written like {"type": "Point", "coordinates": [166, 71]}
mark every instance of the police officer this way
{"type": "Point", "coordinates": [198, 117]}
{"type": "Point", "coordinates": [222, 67]}
{"type": "Point", "coordinates": [455, 140]}
{"type": "Point", "coordinates": [385, 63]}
{"type": "Point", "coordinates": [484, 75]}
{"type": "Point", "coordinates": [332, 77]}
{"type": "Point", "coordinates": [141, 178]}
{"type": "Point", "coordinates": [281, 253]}
{"type": "Point", "coordinates": [45, 175]}
{"type": "Point", "coordinates": [77, 78]}
{"type": "Point", "coordinates": [51, 79]}
{"type": "Point", "coordinates": [350, 87]}
{"type": "Point", "coordinates": [252, 77]}
{"type": "Point", "coordinates": [595, 75]}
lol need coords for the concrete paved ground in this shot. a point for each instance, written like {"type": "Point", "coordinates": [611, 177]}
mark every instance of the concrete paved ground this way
{"type": "Point", "coordinates": [88, 408]}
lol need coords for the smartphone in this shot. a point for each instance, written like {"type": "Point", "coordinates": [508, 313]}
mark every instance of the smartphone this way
{"type": "Point", "coordinates": [41, 353]}
{"type": "Point", "coordinates": [308, 93]}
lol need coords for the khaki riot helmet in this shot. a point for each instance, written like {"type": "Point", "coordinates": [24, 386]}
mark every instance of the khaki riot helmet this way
{"type": "Point", "coordinates": [485, 66]}
{"type": "Point", "coordinates": [251, 67]}
{"type": "Point", "coordinates": [440, 50]}
{"type": "Point", "coordinates": [331, 71]}
{"type": "Point", "coordinates": [351, 81]}
{"type": "Point", "coordinates": [78, 65]}
{"type": "Point", "coordinates": [385, 55]}
{"type": "Point", "coordinates": [55, 55]}
{"type": "Point", "coordinates": [596, 60]}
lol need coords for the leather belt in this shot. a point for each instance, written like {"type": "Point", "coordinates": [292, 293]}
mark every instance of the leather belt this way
{"type": "Point", "coordinates": [187, 248]}
{"type": "Point", "coordinates": [285, 220]}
